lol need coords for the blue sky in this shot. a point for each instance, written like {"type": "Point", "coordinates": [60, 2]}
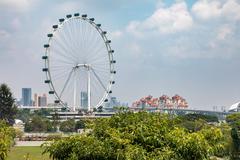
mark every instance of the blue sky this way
{"type": "Point", "coordinates": [161, 47]}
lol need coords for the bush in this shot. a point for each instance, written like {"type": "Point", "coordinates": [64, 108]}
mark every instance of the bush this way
{"type": "Point", "coordinates": [68, 126]}
{"type": "Point", "coordinates": [39, 124]}
{"type": "Point", "coordinates": [138, 136]}
{"type": "Point", "coordinates": [7, 135]}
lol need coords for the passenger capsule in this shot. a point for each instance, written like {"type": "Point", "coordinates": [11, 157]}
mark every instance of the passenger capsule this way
{"type": "Point", "coordinates": [104, 32]}
{"type": "Point", "coordinates": [91, 19]}
{"type": "Point", "coordinates": [51, 92]}
{"type": "Point", "coordinates": [99, 25]}
{"type": "Point", "coordinates": [112, 82]}
{"type": "Point", "coordinates": [44, 57]}
{"type": "Point", "coordinates": [55, 26]}
{"type": "Point", "coordinates": [47, 81]}
{"type": "Point", "coordinates": [46, 45]}
{"type": "Point", "coordinates": [106, 100]}
{"type": "Point", "coordinates": [114, 72]}
{"type": "Point", "coordinates": [50, 35]}
{"type": "Point", "coordinates": [76, 14]}
{"type": "Point", "coordinates": [111, 51]}
{"type": "Point", "coordinates": [61, 20]}
{"type": "Point", "coordinates": [56, 101]}
{"type": "Point", "coordinates": [69, 16]}
{"type": "Point", "coordinates": [108, 41]}
{"type": "Point", "coordinates": [113, 61]}
{"type": "Point", "coordinates": [45, 69]}
{"type": "Point", "coordinates": [84, 16]}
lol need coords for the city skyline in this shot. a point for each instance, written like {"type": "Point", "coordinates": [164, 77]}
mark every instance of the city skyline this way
{"type": "Point", "coordinates": [162, 47]}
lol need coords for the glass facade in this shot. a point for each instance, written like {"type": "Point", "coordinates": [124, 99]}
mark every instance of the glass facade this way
{"type": "Point", "coordinates": [26, 96]}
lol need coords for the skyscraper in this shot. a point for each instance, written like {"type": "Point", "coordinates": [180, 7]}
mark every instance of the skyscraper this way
{"type": "Point", "coordinates": [42, 100]}
{"type": "Point", "coordinates": [26, 96]}
{"type": "Point", "coordinates": [35, 100]}
{"type": "Point", "coordinates": [84, 100]}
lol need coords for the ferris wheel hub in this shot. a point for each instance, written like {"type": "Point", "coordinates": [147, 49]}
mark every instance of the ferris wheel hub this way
{"type": "Point", "coordinates": [87, 66]}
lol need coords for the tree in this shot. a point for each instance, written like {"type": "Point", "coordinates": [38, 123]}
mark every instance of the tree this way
{"type": "Point", "coordinates": [8, 108]}
{"type": "Point", "coordinates": [39, 124]}
{"type": "Point", "coordinates": [234, 121]}
{"type": "Point", "coordinates": [80, 124]}
{"type": "Point", "coordinates": [68, 126]}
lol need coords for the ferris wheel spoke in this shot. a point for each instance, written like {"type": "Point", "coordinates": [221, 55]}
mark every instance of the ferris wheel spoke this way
{"type": "Point", "coordinates": [96, 50]}
{"type": "Point", "coordinates": [99, 80]}
{"type": "Point", "coordinates": [71, 38]}
{"type": "Point", "coordinates": [99, 59]}
{"type": "Point", "coordinates": [59, 75]}
{"type": "Point", "coordinates": [63, 51]}
{"type": "Point", "coordinates": [93, 43]}
{"type": "Point", "coordinates": [66, 41]}
{"type": "Point", "coordinates": [75, 36]}
{"type": "Point", "coordinates": [61, 61]}
{"type": "Point", "coordinates": [65, 84]}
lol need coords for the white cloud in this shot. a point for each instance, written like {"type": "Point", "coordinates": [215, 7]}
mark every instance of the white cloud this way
{"type": "Point", "coordinates": [224, 32]}
{"type": "Point", "coordinates": [16, 5]}
{"type": "Point", "coordinates": [208, 9]}
{"type": "Point", "coordinates": [164, 20]}
{"type": "Point", "coordinates": [231, 10]}
{"type": "Point", "coordinates": [116, 34]}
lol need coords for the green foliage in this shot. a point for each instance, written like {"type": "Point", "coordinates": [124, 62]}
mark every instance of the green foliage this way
{"type": "Point", "coordinates": [7, 135]}
{"type": "Point", "coordinates": [234, 121]}
{"type": "Point", "coordinates": [8, 108]}
{"type": "Point", "coordinates": [39, 124]}
{"type": "Point", "coordinates": [68, 126]}
{"type": "Point", "coordinates": [80, 124]}
{"type": "Point", "coordinates": [140, 136]}
{"type": "Point", "coordinates": [194, 117]}
{"type": "Point", "coordinates": [23, 114]}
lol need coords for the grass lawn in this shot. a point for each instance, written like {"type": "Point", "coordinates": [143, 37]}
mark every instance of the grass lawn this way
{"type": "Point", "coordinates": [21, 153]}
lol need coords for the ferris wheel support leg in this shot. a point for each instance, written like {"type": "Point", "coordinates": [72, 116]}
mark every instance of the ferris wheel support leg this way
{"type": "Point", "coordinates": [89, 90]}
{"type": "Point", "coordinates": [75, 92]}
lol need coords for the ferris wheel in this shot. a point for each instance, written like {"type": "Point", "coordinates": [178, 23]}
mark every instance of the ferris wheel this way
{"type": "Point", "coordinates": [79, 63]}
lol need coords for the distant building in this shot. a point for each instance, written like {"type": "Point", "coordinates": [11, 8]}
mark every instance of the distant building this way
{"type": "Point", "coordinates": [42, 100]}
{"type": "Point", "coordinates": [26, 96]}
{"type": "Point", "coordinates": [162, 102]}
{"type": "Point", "coordinates": [35, 102]}
{"type": "Point", "coordinates": [84, 100]}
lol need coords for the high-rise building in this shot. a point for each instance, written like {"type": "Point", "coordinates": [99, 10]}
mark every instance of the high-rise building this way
{"type": "Point", "coordinates": [26, 96]}
{"type": "Point", "coordinates": [35, 102]}
{"type": "Point", "coordinates": [84, 100]}
{"type": "Point", "coordinates": [42, 100]}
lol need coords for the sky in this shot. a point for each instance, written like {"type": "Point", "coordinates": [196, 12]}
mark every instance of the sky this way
{"type": "Point", "coordinates": [184, 47]}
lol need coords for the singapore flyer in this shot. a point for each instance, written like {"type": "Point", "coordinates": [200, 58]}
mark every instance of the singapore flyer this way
{"type": "Point", "coordinates": [79, 63]}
